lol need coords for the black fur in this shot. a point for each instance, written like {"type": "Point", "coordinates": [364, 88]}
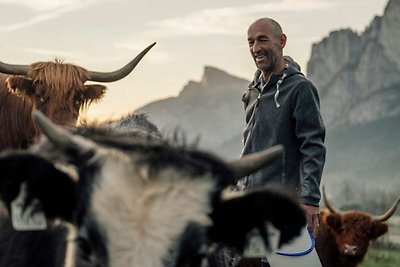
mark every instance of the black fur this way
{"type": "Point", "coordinates": [46, 183]}
{"type": "Point", "coordinates": [60, 198]}
{"type": "Point", "coordinates": [189, 252]}
{"type": "Point", "coordinates": [92, 244]}
{"type": "Point", "coordinates": [234, 218]}
{"type": "Point", "coordinates": [136, 122]}
{"type": "Point", "coordinates": [31, 248]}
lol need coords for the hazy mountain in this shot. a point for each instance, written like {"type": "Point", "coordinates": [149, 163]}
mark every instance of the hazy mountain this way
{"type": "Point", "coordinates": [210, 110]}
{"type": "Point", "coordinates": [358, 78]}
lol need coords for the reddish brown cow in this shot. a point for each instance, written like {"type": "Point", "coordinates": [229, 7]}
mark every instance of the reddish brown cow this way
{"type": "Point", "coordinates": [344, 237]}
{"type": "Point", "coordinates": [55, 88]}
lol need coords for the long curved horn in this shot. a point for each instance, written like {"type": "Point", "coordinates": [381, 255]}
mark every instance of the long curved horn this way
{"type": "Point", "coordinates": [60, 137]}
{"type": "Point", "coordinates": [13, 69]}
{"type": "Point", "coordinates": [118, 74]}
{"type": "Point", "coordinates": [328, 204]}
{"type": "Point", "coordinates": [388, 213]}
{"type": "Point", "coordinates": [253, 162]}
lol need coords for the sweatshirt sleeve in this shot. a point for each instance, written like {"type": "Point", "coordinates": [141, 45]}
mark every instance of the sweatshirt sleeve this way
{"type": "Point", "coordinates": [310, 132]}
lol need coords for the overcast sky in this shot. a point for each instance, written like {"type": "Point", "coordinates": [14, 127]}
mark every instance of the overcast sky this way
{"type": "Point", "coordinates": [103, 35]}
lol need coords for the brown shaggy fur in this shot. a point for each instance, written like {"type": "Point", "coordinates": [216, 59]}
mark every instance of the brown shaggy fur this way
{"type": "Point", "coordinates": [65, 79]}
{"type": "Point", "coordinates": [339, 232]}
{"type": "Point", "coordinates": [55, 88]}
{"type": "Point", "coordinates": [16, 127]}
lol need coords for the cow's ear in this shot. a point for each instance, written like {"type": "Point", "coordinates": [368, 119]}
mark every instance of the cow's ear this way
{"type": "Point", "coordinates": [15, 168]}
{"type": "Point", "coordinates": [93, 92]}
{"type": "Point", "coordinates": [19, 85]}
{"type": "Point", "coordinates": [242, 212]}
{"type": "Point", "coordinates": [333, 221]}
{"type": "Point", "coordinates": [53, 188]}
{"type": "Point", "coordinates": [377, 229]}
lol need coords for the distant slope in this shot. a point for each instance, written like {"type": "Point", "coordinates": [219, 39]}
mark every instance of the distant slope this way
{"type": "Point", "coordinates": [210, 110]}
{"type": "Point", "coordinates": [367, 154]}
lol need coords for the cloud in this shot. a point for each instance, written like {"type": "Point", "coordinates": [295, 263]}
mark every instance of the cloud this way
{"type": "Point", "coordinates": [48, 53]}
{"type": "Point", "coordinates": [230, 21]}
{"type": "Point", "coordinates": [47, 5]}
{"type": "Point", "coordinates": [227, 20]}
{"type": "Point", "coordinates": [156, 56]}
{"type": "Point", "coordinates": [53, 53]}
{"type": "Point", "coordinates": [29, 22]}
{"type": "Point", "coordinates": [43, 10]}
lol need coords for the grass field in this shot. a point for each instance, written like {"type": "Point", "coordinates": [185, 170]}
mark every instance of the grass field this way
{"type": "Point", "coordinates": [382, 256]}
{"type": "Point", "coordinates": [386, 251]}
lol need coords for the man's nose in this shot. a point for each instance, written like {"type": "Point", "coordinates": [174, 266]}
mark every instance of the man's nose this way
{"type": "Point", "coordinates": [255, 48]}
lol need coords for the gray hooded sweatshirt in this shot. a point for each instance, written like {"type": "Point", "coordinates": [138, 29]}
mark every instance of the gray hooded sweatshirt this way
{"type": "Point", "coordinates": [286, 112]}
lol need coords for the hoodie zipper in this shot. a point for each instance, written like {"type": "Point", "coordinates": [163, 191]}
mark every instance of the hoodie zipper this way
{"type": "Point", "coordinates": [260, 92]}
{"type": "Point", "coordinates": [276, 95]}
{"type": "Point", "coordinates": [252, 118]}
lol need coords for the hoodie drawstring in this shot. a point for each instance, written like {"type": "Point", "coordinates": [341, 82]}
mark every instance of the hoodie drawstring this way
{"type": "Point", "coordinates": [278, 83]}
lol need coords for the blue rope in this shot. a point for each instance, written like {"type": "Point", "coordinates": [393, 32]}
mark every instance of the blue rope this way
{"type": "Point", "coordinates": [300, 253]}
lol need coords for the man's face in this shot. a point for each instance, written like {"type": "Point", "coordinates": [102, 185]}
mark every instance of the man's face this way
{"type": "Point", "coordinates": [265, 47]}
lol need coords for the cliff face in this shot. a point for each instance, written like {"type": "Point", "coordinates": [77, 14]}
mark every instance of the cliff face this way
{"type": "Point", "coordinates": [358, 75]}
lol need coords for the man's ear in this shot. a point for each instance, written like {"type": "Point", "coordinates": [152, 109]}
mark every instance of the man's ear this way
{"type": "Point", "coordinates": [20, 85]}
{"type": "Point", "coordinates": [282, 40]}
{"type": "Point", "coordinates": [93, 92]}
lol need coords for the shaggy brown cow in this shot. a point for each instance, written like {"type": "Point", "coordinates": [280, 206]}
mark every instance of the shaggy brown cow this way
{"type": "Point", "coordinates": [55, 88]}
{"type": "Point", "coordinates": [344, 237]}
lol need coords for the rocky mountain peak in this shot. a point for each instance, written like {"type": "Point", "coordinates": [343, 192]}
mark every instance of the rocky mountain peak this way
{"type": "Point", "coordinates": [333, 53]}
{"type": "Point", "coordinates": [390, 33]}
{"type": "Point", "coordinates": [214, 80]}
{"type": "Point", "coordinates": [214, 77]}
{"type": "Point", "coordinates": [358, 75]}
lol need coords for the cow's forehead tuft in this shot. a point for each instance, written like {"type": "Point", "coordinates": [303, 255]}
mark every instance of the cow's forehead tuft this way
{"type": "Point", "coordinates": [58, 75]}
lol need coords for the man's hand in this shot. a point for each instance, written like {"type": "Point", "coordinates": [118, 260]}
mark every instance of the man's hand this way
{"type": "Point", "coordinates": [312, 215]}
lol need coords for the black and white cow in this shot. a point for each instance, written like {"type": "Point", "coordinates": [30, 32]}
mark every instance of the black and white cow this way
{"type": "Point", "coordinates": [138, 201]}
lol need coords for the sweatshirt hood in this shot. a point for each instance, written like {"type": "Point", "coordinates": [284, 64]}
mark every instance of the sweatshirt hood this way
{"type": "Point", "coordinates": [275, 78]}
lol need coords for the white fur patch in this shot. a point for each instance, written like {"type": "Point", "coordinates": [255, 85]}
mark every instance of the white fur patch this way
{"type": "Point", "coordinates": [143, 217]}
{"type": "Point", "coordinates": [255, 246]}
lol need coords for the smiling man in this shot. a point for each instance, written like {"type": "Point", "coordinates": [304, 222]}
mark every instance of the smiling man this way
{"type": "Point", "coordinates": [282, 107]}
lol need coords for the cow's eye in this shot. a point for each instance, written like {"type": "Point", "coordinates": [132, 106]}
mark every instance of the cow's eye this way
{"type": "Point", "coordinates": [40, 98]}
{"type": "Point", "coordinates": [78, 102]}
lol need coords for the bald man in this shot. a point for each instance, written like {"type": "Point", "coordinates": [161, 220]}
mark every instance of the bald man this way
{"type": "Point", "coordinates": [282, 107]}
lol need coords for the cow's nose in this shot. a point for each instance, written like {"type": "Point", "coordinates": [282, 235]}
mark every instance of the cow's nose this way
{"type": "Point", "coordinates": [350, 249]}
